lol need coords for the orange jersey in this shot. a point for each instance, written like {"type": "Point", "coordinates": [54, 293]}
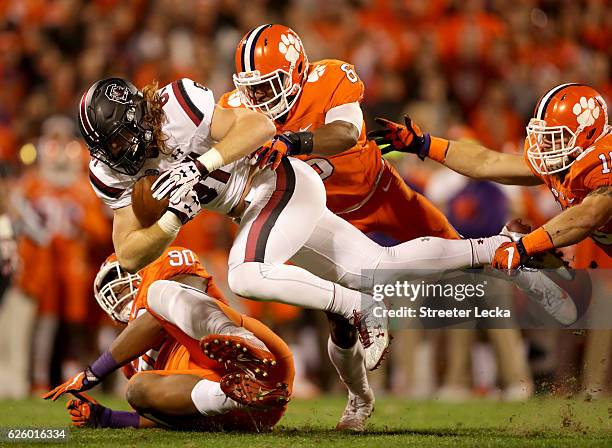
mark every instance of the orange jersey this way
{"type": "Point", "coordinates": [349, 177]}
{"type": "Point", "coordinates": [591, 170]}
{"type": "Point", "coordinates": [173, 262]}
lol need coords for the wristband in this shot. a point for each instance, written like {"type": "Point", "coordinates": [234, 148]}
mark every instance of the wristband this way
{"type": "Point", "coordinates": [104, 365]}
{"type": "Point", "coordinates": [306, 142]}
{"type": "Point", "coordinates": [211, 160]}
{"type": "Point", "coordinates": [169, 223]}
{"type": "Point", "coordinates": [537, 241]}
{"type": "Point", "coordinates": [438, 149]}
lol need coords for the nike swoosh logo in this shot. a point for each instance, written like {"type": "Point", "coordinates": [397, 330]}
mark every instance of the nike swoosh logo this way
{"type": "Point", "coordinates": [510, 251]}
{"type": "Point", "coordinates": [306, 128]}
{"type": "Point", "coordinates": [386, 187]}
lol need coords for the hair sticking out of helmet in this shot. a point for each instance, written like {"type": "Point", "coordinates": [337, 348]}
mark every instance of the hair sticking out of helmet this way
{"type": "Point", "coordinates": [111, 120]}
{"type": "Point", "coordinates": [568, 120]}
{"type": "Point", "coordinates": [271, 67]}
{"type": "Point", "coordinates": [115, 290]}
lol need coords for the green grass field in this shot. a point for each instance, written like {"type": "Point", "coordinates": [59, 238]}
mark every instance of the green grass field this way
{"type": "Point", "coordinates": [396, 423]}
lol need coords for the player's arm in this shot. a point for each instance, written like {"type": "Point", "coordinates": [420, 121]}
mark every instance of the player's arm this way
{"type": "Point", "coordinates": [569, 227]}
{"type": "Point", "coordinates": [239, 132]}
{"type": "Point", "coordinates": [469, 159]}
{"type": "Point", "coordinates": [137, 338]}
{"type": "Point", "coordinates": [334, 138]}
{"type": "Point", "coordinates": [578, 222]}
{"type": "Point", "coordinates": [136, 246]}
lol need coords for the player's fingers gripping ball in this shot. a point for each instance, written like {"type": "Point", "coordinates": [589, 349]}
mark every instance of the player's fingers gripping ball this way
{"type": "Point", "coordinates": [507, 257]}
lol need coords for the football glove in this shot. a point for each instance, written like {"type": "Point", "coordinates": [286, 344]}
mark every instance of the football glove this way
{"type": "Point", "coordinates": [285, 144]}
{"type": "Point", "coordinates": [403, 138]}
{"type": "Point", "coordinates": [185, 203]}
{"type": "Point", "coordinates": [509, 256]}
{"type": "Point", "coordinates": [81, 382]}
{"type": "Point", "coordinates": [178, 180]}
{"type": "Point", "coordinates": [84, 411]}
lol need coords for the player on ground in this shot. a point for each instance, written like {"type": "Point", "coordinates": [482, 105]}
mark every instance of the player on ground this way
{"type": "Point", "coordinates": [244, 368]}
{"type": "Point", "coordinates": [282, 213]}
{"type": "Point", "coordinates": [568, 148]}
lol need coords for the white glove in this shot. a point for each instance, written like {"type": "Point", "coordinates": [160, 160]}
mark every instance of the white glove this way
{"type": "Point", "coordinates": [178, 180]}
{"type": "Point", "coordinates": [184, 203]}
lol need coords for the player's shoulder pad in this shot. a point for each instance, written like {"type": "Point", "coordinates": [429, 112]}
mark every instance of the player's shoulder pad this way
{"type": "Point", "coordinates": [112, 187]}
{"type": "Point", "coordinates": [593, 167]}
{"type": "Point", "coordinates": [337, 76]}
{"type": "Point", "coordinates": [192, 98]}
{"type": "Point", "coordinates": [230, 99]}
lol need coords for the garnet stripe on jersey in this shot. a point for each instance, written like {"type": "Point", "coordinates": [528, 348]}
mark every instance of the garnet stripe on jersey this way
{"type": "Point", "coordinates": [190, 109]}
{"type": "Point", "coordinates": [262, 226]}
{"type": "Point", "coordinates": [220, 175]}
{"type": "Point", "coordinates": [111, 192]}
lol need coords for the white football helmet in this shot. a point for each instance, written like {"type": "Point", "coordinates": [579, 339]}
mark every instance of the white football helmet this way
{"type": "Point", "coordinates": [115, 290]}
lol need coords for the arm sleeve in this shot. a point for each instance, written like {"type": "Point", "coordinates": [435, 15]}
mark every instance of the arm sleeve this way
{"type": "Point", "coordinates": [349, 112]}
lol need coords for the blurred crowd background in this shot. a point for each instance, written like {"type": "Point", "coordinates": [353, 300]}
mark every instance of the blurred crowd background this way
{"type": "Point", "coordinates": [470, 69]}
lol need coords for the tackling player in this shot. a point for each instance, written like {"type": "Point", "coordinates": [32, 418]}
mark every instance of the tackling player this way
{"type": "Point", "coordinates": [282, 213]}
{"type": "Point", "coordinates": [568, 148]}
{"type": "Point", "coordinates": [244, 366]}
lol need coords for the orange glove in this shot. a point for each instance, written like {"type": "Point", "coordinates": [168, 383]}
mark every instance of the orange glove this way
{"type": "Point", "coordinates": [78, 383]}
{"type": "Point", "coordinates": [285, 144]}
{"type": "Point", "coordinates": [507, 257]}
{"type": "Point", "coordinates": [82, 411]}
{"type": "Point", "coordinates": [408, 138]}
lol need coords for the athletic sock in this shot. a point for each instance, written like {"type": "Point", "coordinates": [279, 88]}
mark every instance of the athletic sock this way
{"type": "Point", "coordinates": [118, 419]}
{"type": "Point", "coordinates": [209, 399]}
{"type": "Point", "coordinates": [483, 249]}
{"type": "Point", "coordinates": [344, 301]}
{"type": "Point", "coordinates": [349, 363]}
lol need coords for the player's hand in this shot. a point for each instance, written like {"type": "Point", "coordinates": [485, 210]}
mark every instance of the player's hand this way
{"type": "Point", "coordinates": [403, 138]}
{"type": "Point", "coordinates": [185, 202]}
{"type": "Point", "coordinates": [272, 152]}
{"type": "Point", "coordinates": [82, 411]}
{"type": "Point", "coordinates": [182, 177]}
{"type": "Point", "coordinates": [82, 381]}
{"type": "Point", "coordinates": [509, 256]}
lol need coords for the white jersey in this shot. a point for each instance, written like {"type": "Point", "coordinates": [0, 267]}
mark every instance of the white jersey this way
{"type": "Point", "coordinates": [189, 109]}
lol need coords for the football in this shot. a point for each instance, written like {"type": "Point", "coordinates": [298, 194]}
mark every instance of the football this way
{"type": "Point", "coordinates": [147, 209]}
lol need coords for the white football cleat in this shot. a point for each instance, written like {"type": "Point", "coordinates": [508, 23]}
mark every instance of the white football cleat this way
{"type": "Point", "coordinates": [357, 411]}
{"type": "Point", "coordinates": [373, 333]}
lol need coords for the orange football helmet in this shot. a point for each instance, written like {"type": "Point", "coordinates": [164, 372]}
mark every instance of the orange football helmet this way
{"type": "Point", "coordinates": [568, 119]}
{"type": "Point", "coordinates": [271, 67]}
{"type": "Point", "coordinates": [115, 289]}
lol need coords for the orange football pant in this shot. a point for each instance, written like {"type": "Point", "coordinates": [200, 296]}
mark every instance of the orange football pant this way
{"type": "Point", "coordinates": [399, 212]}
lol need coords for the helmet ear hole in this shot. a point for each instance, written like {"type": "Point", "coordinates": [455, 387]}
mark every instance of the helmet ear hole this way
{"type": "Point", "coordinates": [299, 68]}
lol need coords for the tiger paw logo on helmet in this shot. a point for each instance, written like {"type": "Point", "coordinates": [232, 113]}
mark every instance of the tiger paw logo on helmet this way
{"type": "Point", "coordinates": [316, 74]}
{"type": "Point", "coordinates": [290, 46]}
{"type": "Point", "coordinates": [586, 111]}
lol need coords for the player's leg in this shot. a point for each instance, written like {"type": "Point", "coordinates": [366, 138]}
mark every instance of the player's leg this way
{"type": "Point", "coordinates": [337, 251]}
{"type": "Point", "coordinates": [347, 357]}
{"type": "Point", "coordinates": [190, 315]}
{"type": "Point", "coordinates": [400, 212]}
{"type": "Point", "coordinates": [287, 206]}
